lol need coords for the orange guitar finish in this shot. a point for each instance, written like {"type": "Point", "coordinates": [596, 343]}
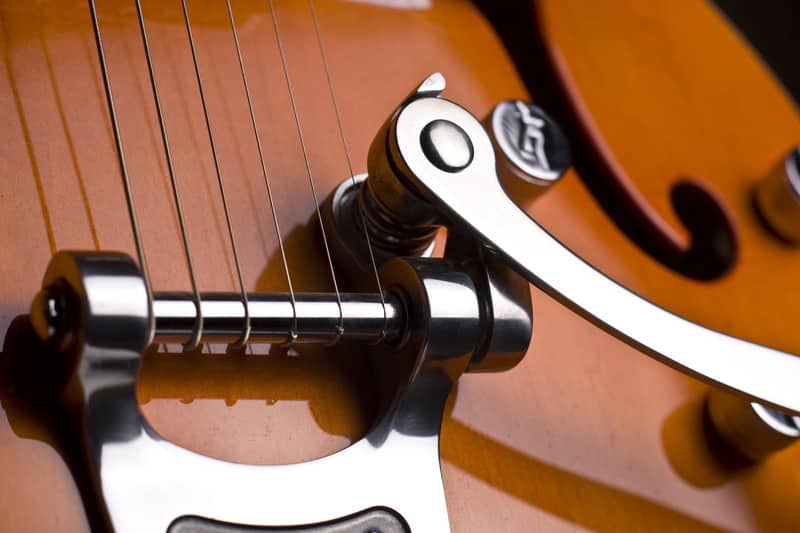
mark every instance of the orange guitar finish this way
{"type": "Point", "coordinates": [585, 433]}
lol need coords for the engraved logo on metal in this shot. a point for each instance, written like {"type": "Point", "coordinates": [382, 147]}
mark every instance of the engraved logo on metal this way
{"type": "Point", "coordinates": [531, 140]}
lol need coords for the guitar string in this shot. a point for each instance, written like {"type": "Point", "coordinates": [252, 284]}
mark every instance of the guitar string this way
{"type": "Point", "coordinates": [265, 173]}
{"type": "Point", "coordinates": [197, 330]}
{"type": "Point", "coordinates": [343, 139]}
{"type": "Point", "coordinates": [112, 110]}
{"type": "Point", "coordinates": [340, 329]}
{"type": "Point", "coordinates": [247, 327]}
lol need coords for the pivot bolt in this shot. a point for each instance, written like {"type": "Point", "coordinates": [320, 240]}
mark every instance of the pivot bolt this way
{"type": "Point", "coordinates": [446, 145]}
{"type": "Point", "coordinates": [754, 430]}
{"type": "Point", "coordinates": [531, 148]}
{"type": "Point", "coordinates": [777, 198]}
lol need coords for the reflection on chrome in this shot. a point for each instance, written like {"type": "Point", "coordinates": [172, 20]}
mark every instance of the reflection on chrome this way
{"type": "Point", "coordinates": [474, 202]}
{"type": "Point", "coordinates": [147, 482]}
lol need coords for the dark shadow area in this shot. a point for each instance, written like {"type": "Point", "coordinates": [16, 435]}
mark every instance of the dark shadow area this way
{"type": "Point", "coordinates": [30, 385]}
{"type": "Point", "coordinates": [713, 247]}
{"type": "Point", "coordinates": [696, 451]}
{"type": "Point", "coordinates": [42, 402]}
{"type": "Point", "coordinates": [773, 29]}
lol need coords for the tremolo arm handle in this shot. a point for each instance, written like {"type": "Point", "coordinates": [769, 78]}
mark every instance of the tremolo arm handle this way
{"type": "Point", "coordinates": [453, 169]}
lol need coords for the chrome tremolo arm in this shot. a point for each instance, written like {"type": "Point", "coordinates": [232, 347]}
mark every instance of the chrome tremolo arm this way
{"type": "Point", "coordinates": [418, 179]}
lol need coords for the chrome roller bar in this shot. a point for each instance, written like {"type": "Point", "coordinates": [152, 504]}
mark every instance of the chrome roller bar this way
{"type": "Point", "coordinates": [85, 301]}
{"type": "Point", "coordinates": [273, 318]}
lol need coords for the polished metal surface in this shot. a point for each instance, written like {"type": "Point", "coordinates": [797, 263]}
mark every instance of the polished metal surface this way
{"type": "Point", "coordinates": [506, 310]}
{"type": "Point", "coordinates": [778, 198]}
{"type": "Point", "coordinates": [508, 326]}
{"type": "Point", "coordinates": [753, 430]}
{"type": "Point", "coordinates": [446, 145]}
{"type": "Point", "coordinates": [530, 146]}
{"type": "Point", "coordinates": [57, 314]}
{"type": "Point", "coordinates": [146, 482]}
{"type": "Point", "coordinates": [370, 521]}
{"type": "Point", "coordinates": [244, 334]}
{"type": "Point", "coordinates": [473, 201]}
{"type": "Point", "coordinates": [347, 225]}
{"type": "Point", "coordinates": [314, 317]}
{"type": "Point", "coordinates": [103, 305]}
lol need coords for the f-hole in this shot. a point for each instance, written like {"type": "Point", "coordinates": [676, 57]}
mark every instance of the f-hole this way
{"type": "Point", "coordinates": [713, 246]}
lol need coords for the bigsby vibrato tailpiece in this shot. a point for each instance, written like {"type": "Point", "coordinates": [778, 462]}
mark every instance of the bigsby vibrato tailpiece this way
{"type": "Point", "coordinates": [431, 164]}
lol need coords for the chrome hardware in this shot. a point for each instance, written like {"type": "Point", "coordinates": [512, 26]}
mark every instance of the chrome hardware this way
{"type": "Point", "coordinates": [446, 146]}
{"type": "Point", "coordinates": [530, 146]}
{"type": "Point", "coordinates": [473, 202]}
{"type": "Point", "coordinates": [342, 215]}
{"type": "Point", "coordinates": [506, 313]}
{"type": "Point", "coordinates": [754, 430]}
{"type": "Point", "coordinates": [271, 317]}
{"type": "Point", "coordinates": [777, 198]}
{"type": "Point", "coordinates": [443, 317]}
{"type": "Point", "coordinates": [431, 164]}
{"type": "Point", "coordinates": [97, 302]}
{"type": "Point", "coordinates": [84, 297]}
{"type": "Point", "coordinates": [146, 483]}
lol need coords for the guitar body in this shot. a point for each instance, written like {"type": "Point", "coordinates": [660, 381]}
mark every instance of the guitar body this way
{"type": "Point", "coordinates": [584, 433]}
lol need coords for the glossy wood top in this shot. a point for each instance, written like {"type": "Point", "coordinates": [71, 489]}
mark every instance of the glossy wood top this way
{"type": "Point", "coordinates": [671, 93]}
{"type": "Point", "coordinates": [584, 434]}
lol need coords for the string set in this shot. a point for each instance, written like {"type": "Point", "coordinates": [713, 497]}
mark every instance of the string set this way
{"type": "Point", "coordinates": [197, 331]}
{"type": "Point", "coordinates": [123, 166]}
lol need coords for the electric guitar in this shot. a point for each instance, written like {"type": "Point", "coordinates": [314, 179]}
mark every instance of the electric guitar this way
{"type": "Point", "coordinates": [323, 266]}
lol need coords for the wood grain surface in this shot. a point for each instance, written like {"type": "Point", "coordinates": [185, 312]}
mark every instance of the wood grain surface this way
{"type": "Point", "coordinates": [584, 434]}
